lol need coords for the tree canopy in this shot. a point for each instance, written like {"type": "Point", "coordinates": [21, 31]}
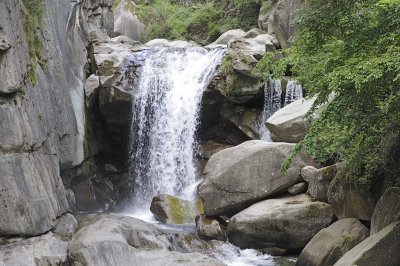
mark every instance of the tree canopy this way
{"type": "Point", "coordinates": [347, 54]}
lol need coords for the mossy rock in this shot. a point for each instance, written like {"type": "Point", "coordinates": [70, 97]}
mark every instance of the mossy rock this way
{"type": "Point", "coordinates": [172, 210]}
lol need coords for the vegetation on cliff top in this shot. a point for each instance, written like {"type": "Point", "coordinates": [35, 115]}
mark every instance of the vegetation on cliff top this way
{"type": "Point", "coordinates": [350, 49]}
{"type": "Point", "coordinates": [32, 12]}
{"type": "Point", "coordinates": [202, 22]}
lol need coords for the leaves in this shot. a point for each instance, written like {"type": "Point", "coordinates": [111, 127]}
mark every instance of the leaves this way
{"type": "Point", "coordinates": [352, 49]}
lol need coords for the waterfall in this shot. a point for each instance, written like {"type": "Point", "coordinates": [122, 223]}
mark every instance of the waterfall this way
{"type": "Point", "coordinates": [294, 91]}
{"type": "Point", "coordinates": [272, 103]}
{"type": "Point", "coordinates": [165, 116]}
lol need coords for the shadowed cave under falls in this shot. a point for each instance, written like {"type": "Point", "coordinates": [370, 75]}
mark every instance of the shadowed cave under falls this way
{"type": "Point", "coordinates": [165, 116]}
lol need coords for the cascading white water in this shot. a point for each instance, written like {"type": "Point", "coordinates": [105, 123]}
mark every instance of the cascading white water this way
{"type": "Point", "coordinates": [165, 115]}
{"type": "Point", "coordinates": [272, 103]}
{"type": "Point", "coordinates": [294, 91]}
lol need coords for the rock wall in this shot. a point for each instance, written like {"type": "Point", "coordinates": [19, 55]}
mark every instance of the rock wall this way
{"type": "Point", "coordinates": [42, 118]}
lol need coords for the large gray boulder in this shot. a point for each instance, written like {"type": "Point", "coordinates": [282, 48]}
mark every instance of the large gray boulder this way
{"type": "Point", "coordinates": [290, 123]}
{"type": "Point", "coordinates": [319, 180]}
{"type": "Point", "coordinates": [277, 17]}
{"type": "Point", "coordinates": [239, 176]}
{"type": "Point", "coordinates": [246, 53]}
{"type": "Point", "coordinates": [104, 240]}
{"type": "Point", "coordinates": [331, 243]}
{"type": "Point", "coordinates": [288, 222]}
{"type": "Point", "coordinates": [228, 36]}
{"type": "Point", "coordinates": [386, 211]}
{"type": "Point", "coordinates": [381, 248]}
{"type": "Point", "coordinates": [126, 22]}
{"type": "Point", "coordinates": [169, 209]}
{"type": "Point", "coordinates": [47, 250]}
{"type": "Point", "coordinates": [349, 201]}
{"type": "Point", "coordinates": [65, 226]}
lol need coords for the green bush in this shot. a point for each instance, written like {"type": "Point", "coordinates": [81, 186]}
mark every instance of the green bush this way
{"type": "Point", "coordinates": [32, 12]}
{"type": "Point", "coordinates": [202, 23]}
{"type": "Point", "coordinates": [350, 49]}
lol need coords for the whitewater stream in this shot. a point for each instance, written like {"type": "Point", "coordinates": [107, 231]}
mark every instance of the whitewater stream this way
{"type": "Point", "coordinates": [166, 109]}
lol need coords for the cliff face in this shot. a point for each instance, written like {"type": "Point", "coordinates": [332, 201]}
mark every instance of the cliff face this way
{"type": "Point", "coordinates": [42, 106]}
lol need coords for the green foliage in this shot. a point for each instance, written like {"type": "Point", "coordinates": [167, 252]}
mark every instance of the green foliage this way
{"type": "Point", "coordinates": [202, 23]}
{"type": "Point", "coordinates": [32, 17]}
{"type": "Point", "coordinates": [349, 49]}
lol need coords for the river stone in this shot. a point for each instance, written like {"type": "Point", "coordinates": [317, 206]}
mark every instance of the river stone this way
{"type": "Point", "coordinates": [290, 124]}
{"type": "Point", "coordinates": [381, 248]}
{"type": "Point", "coordinates": [331, 243]}
{"type": "Point", "coordinates": [229, 35]}
{"type": "Point", "coordinates": [297, 188]}
{"type": "Point", "coordinates": [210, 148]}
{"type": "Point", "coordinates": [173, 210]}
{"type": "Point", "coordinates": [47, 250]}
{"type": "Point", "coordinates": [348, 201]}
{"type": "Point", "coordinates": [208, 228]}
{"type": "Point", "coordinates": [239, 176]}
{"type": "Point", "coordinates": [65, 226]}
{"type": "Point", "coordinates": [387, 210]}
{"type": "Point", "coordinates": [319, 180]}
{"type": "Point", "coordinates": [104, 240]}
{"type": "Point", "coordinates": [247, 121]}
{"type": "Point", "coordinates": [288, 222]}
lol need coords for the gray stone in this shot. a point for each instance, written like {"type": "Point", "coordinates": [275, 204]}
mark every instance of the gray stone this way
{"type": "Point", "coordinates": [173, 210]}
{"type": "Point", "coordinates": [239, 176]}
{"type": "Point", "coordinates": [4, 44]}
{"type": "Point", "coordinates": [104, 240]}
{"type": "Point", "coordinates": [208, 228]}
{"type": "Point", "coordinates": [318, 181]}
{"type": "Point", "coordinates": [210, 148]}
{"type": "Point", "coordinates": [42, 114]}
{"type": "Point", "coordinates": [254, 33]}
{"type": "Point", "coordinates": [277, 17]}
{"type": "Point", "coordinates": [290, 124]}
{"type": "Point", "coordinates": [288, 222]}
{"type": "Point", "coordinates": [297, 188]}
{"type": "Point", "coordinates": [349, 201]}
{"type": "Point", "coordinates": [247, 121]}
{"type": "Point", "coordinates": [127, 23]}
{"type": "Point", "coordinates": [44, 250]}
{"type": "Point", "coordinates": [245, 53]}
{"type": "Point", "coordinates": [331, 243]}
{"type": "Point", "coordinates": [381, 248]}
{"type": "Point", "coordinates": [229, 35]}
{"type": "Point", "coordinates": [70, 199]}
{"type": "Point", "coordinates": [65, 226]}
{"type": "Point", "coordinates": [386, 211]}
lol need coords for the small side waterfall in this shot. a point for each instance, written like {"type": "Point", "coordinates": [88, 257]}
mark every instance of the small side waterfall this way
{"type": "Point", "coordinates": [294, 91]}
{"type": "Point", "coordinates": [166, 105]}
{"type": "Point", "coordinates": [272, 103]}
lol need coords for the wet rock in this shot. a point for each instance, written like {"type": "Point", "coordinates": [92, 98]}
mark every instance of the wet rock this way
{"type": "Point", "coordinates": [331, 243]}
{"type": "Point", "coordinates": [208, 228]}
{"type": "Point", "coordinates": [245, 120]}
{"type": "Point", "coordinates": [290, 124]}
{"type": "Point", "coordinates": [70, 199]}
{"type": "Point", "coordinates": [274, 251]}
{"type": "Point", "coordinates": [239, 176]}
{"type": "Point", "coordinates": [381, 248]}
{"type": "Point", "coordinates": [172, 210]}
{"type": "Point", "coordinates": [319, 180]}
{"type": "Point", "coordinates": [117, 240]}
{"type": "Point", "coordinates": [288, 222]}
{"type": "Point", "coordinates": [47, 249]}
{"type": "Point", "coordinates": [297, 188]}
{"type": "Point", "coordinates": [210, 148]}
{"type": "Point", "coordinates": [348, 201]}
{"type": "Point", "coordinates": [65, 226]}
{"type": "Point", "coordinates": [386, 211]}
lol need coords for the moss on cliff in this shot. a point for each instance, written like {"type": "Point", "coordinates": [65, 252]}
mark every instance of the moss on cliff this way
{"type": "Point", "coordinates": [32, 12]}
